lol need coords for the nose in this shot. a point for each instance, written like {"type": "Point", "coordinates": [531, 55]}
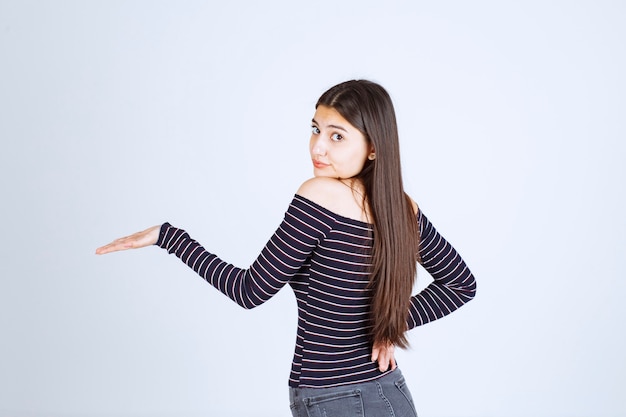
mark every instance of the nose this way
{"type": "Point", "coordinates": [317, 146]}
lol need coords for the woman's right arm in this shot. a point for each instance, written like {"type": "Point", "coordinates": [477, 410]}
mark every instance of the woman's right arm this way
{"type": "Point", "coordinates": [281, 258]}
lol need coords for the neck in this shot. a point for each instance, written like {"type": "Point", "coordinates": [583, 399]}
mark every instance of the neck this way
{"type": "Point", "coordinates": [358, 193]}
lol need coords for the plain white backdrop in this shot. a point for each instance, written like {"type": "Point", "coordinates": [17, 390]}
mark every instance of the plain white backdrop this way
{"type": "Point", "coordinates": [118, 115]}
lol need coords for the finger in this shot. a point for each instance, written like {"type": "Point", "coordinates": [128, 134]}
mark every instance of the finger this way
{"type": "Point", "coordinates": [116, 245]}
{"type": "Point", "coordinates": [104, 249]}
{"type": "Point", "coordinates": [383, 365]}
{"type": "Point", "coordinates": [392, 357]}
{"type": "Point", "coordinates": [375, 352]}
{"type": "Point", "coordinates": [382, 360]}
{"type": "Point", "coordinates": [111, 247]}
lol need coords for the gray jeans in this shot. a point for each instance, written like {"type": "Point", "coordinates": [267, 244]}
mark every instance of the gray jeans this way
{"type": "Point", "coordinates": [385, 396]}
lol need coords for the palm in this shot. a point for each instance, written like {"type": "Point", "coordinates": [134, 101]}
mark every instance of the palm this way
{"type": "Point", "coordinates": [137, 240]}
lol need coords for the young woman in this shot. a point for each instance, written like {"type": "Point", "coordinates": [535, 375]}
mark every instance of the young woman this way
{"type": "Point", "coordinates": [348, 246]}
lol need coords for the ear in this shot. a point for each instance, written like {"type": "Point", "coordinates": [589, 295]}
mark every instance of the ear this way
{"type": "Point", "coordinates": [372, 155]}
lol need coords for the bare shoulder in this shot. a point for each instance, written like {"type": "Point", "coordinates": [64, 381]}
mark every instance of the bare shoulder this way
{"type": "Point", "coordinates": [335, 196]}
{"type": "Point", "coordinates": [322, 190]}
{"type": "Point", "coordinates": [339, 198]}
{"type": "Point", "coordinates": [414, 205]}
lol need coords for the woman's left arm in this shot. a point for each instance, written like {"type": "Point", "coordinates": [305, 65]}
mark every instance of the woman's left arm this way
{"type": "Point", "coordinates": [453, 285]}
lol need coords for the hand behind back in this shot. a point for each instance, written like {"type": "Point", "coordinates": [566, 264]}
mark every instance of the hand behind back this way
{"type": "Point", "coordinates": [383, 353]}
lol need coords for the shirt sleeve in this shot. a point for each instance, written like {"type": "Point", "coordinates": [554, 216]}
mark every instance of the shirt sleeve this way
{"type": "Point", "coordinates": [283, 255]}
{"type": "Point", "coordinates": [453, 285]}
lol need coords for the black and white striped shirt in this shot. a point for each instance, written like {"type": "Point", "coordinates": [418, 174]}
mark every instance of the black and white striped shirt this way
{"type": "Point", "coordinates": [324, 257]}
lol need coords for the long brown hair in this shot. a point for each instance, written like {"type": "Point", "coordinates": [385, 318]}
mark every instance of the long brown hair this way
{"type": "Point", "coordinates": [368, 107]}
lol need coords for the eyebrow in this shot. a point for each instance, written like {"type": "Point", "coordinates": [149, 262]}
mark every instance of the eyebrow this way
{"type": "Point", "coordinates": [331, 126]}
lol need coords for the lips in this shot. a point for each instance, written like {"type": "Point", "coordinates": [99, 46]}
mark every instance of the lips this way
{"type": "Point", "coordinates": [318, 164]}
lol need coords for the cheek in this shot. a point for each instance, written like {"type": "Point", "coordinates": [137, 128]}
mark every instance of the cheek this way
{"type": "Point", "coordinates": [353, 164]}
{"type": "Point", "coordinates": [359, 158]}
{"type": "Point", "coordinates": [358, 167]}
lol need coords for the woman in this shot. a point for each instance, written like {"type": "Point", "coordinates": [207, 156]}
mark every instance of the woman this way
{"type": "Point", "coordinates": [348, 246]}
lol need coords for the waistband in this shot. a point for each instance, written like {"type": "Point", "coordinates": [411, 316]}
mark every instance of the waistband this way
{"type": "Point", "coordinates": [389, 377]}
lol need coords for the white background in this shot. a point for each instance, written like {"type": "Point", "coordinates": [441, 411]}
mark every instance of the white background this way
{"type": "Point", "coordinates": [118, 115]}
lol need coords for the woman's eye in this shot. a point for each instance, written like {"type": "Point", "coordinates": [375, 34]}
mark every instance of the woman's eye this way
{"type": "Point", "coordinates": [315, 130]}
{"type": "Point", "coordinates": [336, 137]}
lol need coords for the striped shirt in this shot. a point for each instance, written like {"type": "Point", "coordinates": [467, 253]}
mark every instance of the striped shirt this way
{"type": "Point", "coordinates": [324, 257]}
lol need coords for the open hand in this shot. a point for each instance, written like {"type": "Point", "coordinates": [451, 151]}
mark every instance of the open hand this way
{"type": "Point", "coordinates": [137, 240]}
{"type": "Point", "coordinates": [383, 353]}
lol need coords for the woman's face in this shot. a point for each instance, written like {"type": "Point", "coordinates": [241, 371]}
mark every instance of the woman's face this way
{"type": "Point", "coordinates": [338, 149]}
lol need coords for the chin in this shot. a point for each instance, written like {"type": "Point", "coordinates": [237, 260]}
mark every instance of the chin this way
{"type": "Point", "coordinates": [317, 172]}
